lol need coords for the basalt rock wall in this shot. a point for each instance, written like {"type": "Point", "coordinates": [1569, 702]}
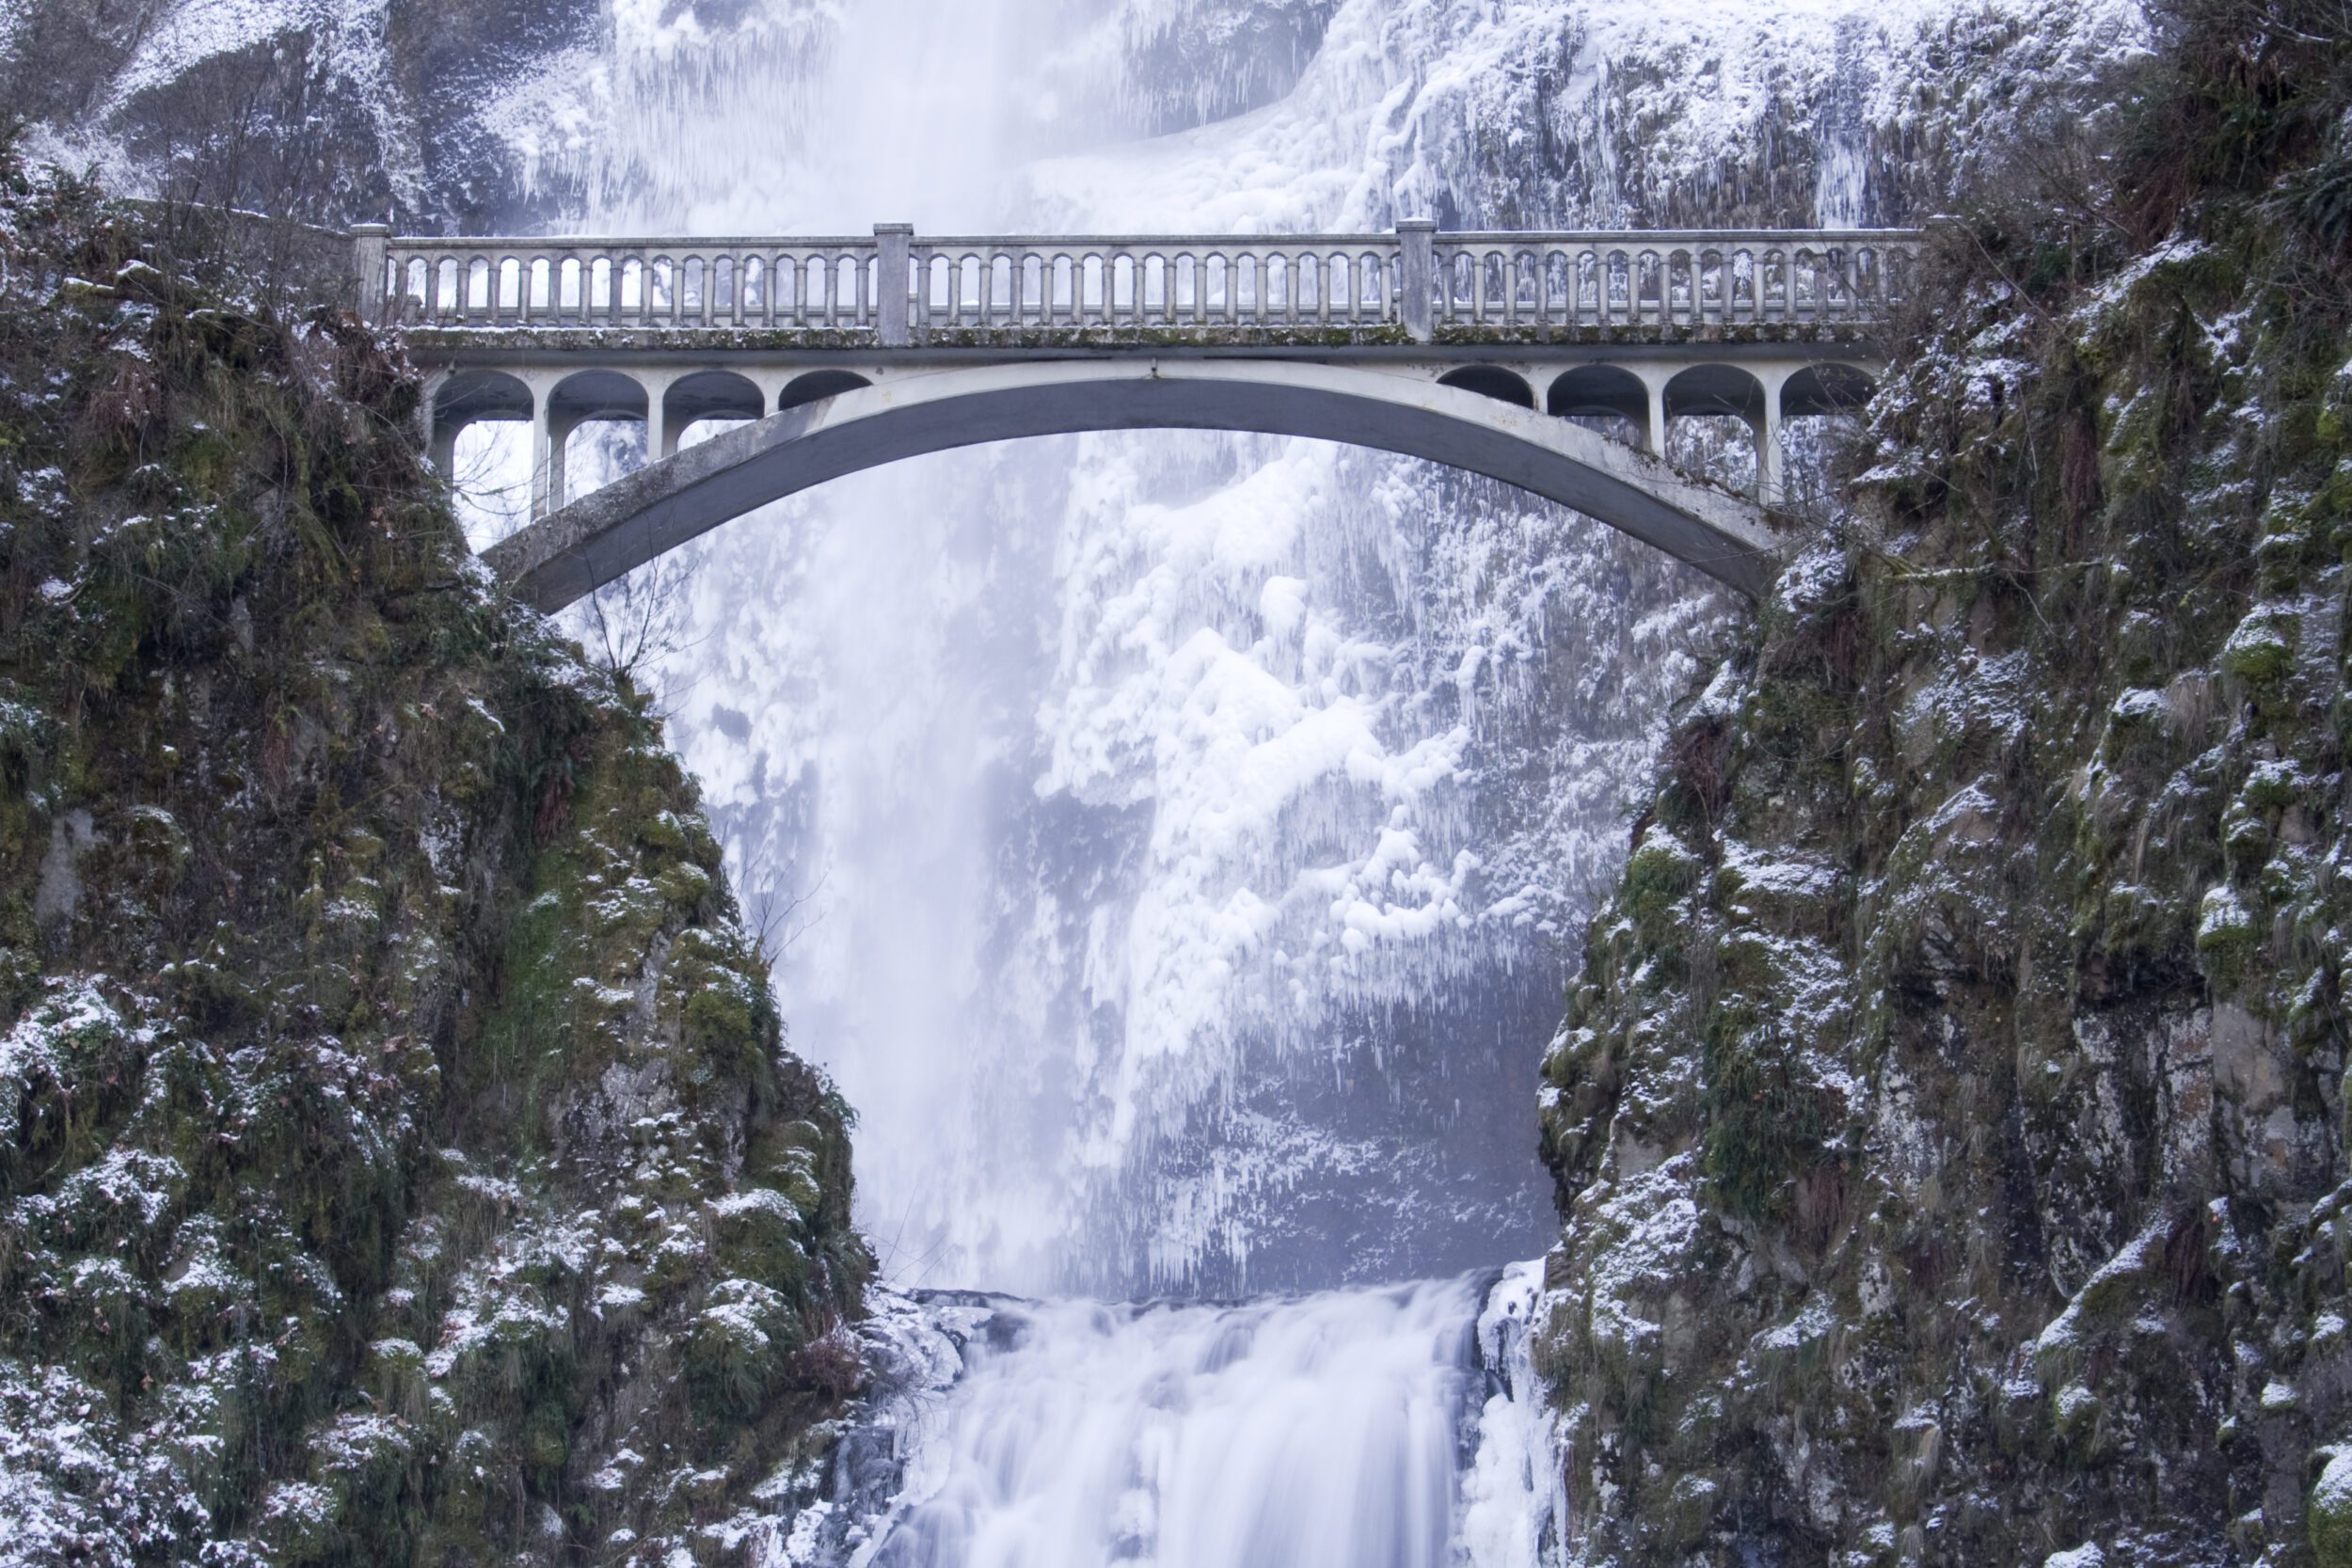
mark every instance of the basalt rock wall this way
{"type": "Point", "coordinates": [1949, 1116]}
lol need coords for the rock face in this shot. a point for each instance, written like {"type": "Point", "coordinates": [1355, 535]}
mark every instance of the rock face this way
{"type": "Point", "coordinates": [402, 1157]}
{"type": "Point", "coordinates": [1949, 1119]}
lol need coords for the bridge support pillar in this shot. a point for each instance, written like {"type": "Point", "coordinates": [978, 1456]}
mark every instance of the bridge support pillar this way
{"type": "Point", "coordinates": [660, 433]}
{"type": "Point", "coordinates": [560, 428]}
{"type": "Point", "coordinates": [1416, 253]}
{"type": "Point", "coordinates": [893, 244]}
{"type": "Point", "coordinates": [440, 446]}
{"type": "Point", "coordinates": [1654, 428]}
{"type": "Point", "coordinates": [1770, 463]}
{"type": "Point", "coordinates": [1768, 460]}
{"type": "Point", "coordinates": [369, 243]}
{"type": "Point", "coordinates": [546, 456]}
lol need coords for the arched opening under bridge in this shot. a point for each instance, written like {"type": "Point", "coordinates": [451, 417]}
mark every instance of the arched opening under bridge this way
{"type": "Point", "coordinates": [580, 548]}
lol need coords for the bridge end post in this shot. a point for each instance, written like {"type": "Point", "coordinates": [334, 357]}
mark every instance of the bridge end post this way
{"type": "Point", "coordinates": [1416, 246]}
{"type": "Point", "coordinates": [894, 243]}
{"type": "Point", "coordinates": [367, 255]}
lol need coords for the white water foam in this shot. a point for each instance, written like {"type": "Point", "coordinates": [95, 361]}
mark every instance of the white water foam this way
{"type": "Point", "coordinates": [1319, 1431]}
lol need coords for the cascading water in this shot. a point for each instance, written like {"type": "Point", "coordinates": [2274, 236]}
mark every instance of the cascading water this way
{"type": "Point", "coordinates": [1314, 1433]}
{"type": "Point", "coordinates": [1400, 1427]}
{"type": "Point", "coordinates": [1178, 833]}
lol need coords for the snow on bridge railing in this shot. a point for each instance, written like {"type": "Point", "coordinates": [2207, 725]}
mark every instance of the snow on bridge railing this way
{"type": "Point", "coordinates": [983, 289]}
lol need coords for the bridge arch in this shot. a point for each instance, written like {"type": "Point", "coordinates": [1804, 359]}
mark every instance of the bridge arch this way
{"type": "Point", "coordinates": [1607, 392]}
{"type": "Point", "coordinates": [578, 549]}
{"type": "Point", "coordinates": [817, 386]}
{"type": "Point", "coordinates": [1491, 381]}
{"type": "Point", "coordinates": [466, 396]}
{"type": "Point", "coordinates": [707, 395]}
{"type": "Point", "coordinates": [1828, 387]}
{"type": "Point", "coordinates": [1731, 389]}
{"type": "Point", "coordinates": [581, 398]}
{"type": "Point", "coordinates": [1597, 391]}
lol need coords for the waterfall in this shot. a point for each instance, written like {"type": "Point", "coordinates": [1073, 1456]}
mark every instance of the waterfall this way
{"type": "Point", "coordinates": [1392, 1427]}
{"type": "Point", "coordinates": [1172, 838]}
{"type": "Point", "coordinates": [1174, 841]}
{"type": "Point", "coordinates": [1314, 1433]}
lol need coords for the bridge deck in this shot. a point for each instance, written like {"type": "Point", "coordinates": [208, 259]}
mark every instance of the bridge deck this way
{"type": "Point", "coordinates": [1480, 349]}
{"type": "Point", "coordinates": [1309, 292]}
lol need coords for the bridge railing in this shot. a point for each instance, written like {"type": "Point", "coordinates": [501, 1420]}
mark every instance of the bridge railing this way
{"type": "Point", "coordinates": [501, 282]}
{"type": "Point", "coordinates": [1671, 279]}
{"type": "Point", "coordinates": [1415, 281]}
{"type": "Point", "coordinates": [1152, 282]}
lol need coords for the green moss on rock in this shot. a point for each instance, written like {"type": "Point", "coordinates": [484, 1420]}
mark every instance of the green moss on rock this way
{"type": "Point", "coordinates": [376, 1029]}
{"type": "Point", "coordinates": [1950, 1119]}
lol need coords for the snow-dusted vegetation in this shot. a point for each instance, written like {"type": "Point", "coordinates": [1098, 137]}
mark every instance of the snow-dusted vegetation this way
{"type": "Point", "coordinates": [402, 1157]}
{"type": "Point", "coordinates": [1950, 1119]}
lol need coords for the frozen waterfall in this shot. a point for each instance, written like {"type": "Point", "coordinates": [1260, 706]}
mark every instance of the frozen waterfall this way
{"type": "Point", "coordinates": [1181, 837]}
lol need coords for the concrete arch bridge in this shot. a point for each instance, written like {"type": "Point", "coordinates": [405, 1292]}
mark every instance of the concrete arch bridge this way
{"type": "Point", "coordinates": [1485, 350]}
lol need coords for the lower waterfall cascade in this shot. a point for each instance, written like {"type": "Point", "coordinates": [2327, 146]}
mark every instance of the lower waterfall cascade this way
{"type": "Point", "coordinates": [1389, 1427]}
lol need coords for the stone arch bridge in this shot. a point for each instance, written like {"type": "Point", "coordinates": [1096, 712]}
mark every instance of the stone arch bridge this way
{"type": "Point", "coordinates": [1505, 354]}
